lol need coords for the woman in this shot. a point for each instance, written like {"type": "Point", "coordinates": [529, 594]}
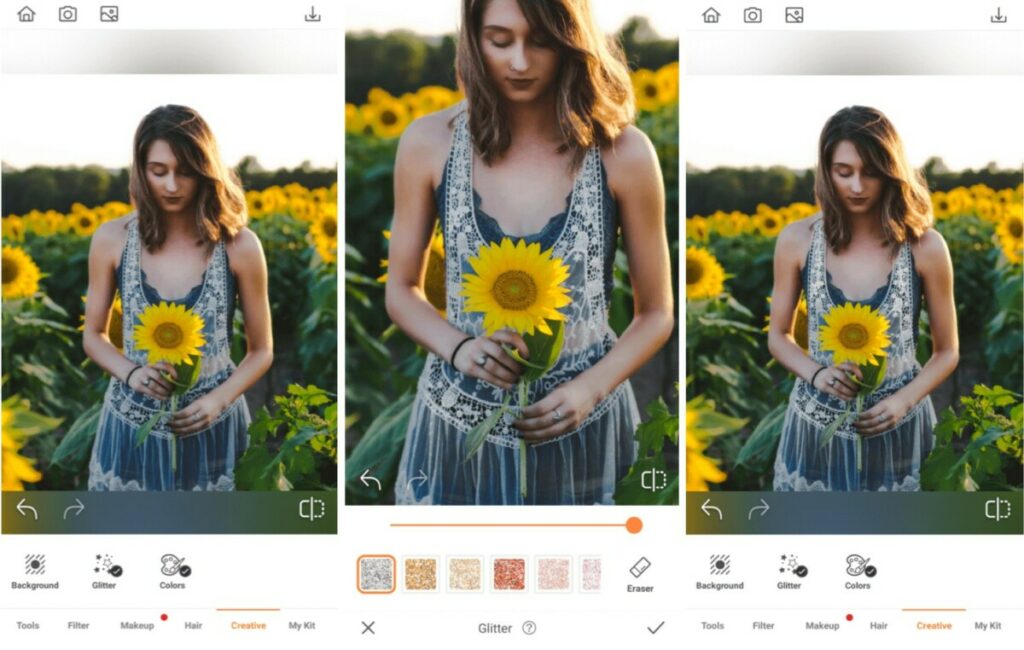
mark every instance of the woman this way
{"type": "Point", "coordinates": [547, 116]}
{"type": "Point", "coordinates": [185, 244]}
{"type": "Point", "coordinates": [875, 220]}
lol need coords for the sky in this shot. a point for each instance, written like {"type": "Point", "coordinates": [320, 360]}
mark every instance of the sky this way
{"type": "Point", "coordinates": [762, 121]}
{"type": "Point", "coordinates": [91, 119]}
{"type": "Point", "coordinates": [442, 17]}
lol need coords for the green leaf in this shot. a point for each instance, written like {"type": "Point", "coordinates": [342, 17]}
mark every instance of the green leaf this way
{"type": "Point", "coordinates": [758, 451]}
{"type": "Point", "coordinates": [937, 471]}
{"type": "Point", "coordinates": [254, 470]}
{"type": "Point", "coordinates": [140, 435]}
{"type": "Point", "coordinates": [476, 436]}
{"type": "Point", "coordinates": [544, 350]}
{"type": "Point", "coordinates": [75, 445]}
{"type": "Point", "coordinates": [379, 449]}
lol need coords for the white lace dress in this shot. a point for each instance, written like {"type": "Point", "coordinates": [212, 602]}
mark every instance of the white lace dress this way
{"type": "Point", "coordinates": [890, 460]}
{"type": "Point", "coordinates": [580, 467]}
{"type": "Point", "coordinates": [205, 459]}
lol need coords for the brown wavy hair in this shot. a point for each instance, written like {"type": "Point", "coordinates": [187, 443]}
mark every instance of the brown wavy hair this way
{"type": "Point", "coordinates": [594, 96]}
{"type": "Point", "coordinates": [219, 202]}
{"type": "Point", "coordinates": [906, 207]}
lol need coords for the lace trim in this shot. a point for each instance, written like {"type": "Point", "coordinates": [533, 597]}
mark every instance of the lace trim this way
{"type": "Point", "coordinates": [110, 482]}
{"type": "Point", "coordinates": [463, 401]}
{"type": "Point", "coordinates": [796, 482]}
{"type": "Point", "coordinates": [121, 403]}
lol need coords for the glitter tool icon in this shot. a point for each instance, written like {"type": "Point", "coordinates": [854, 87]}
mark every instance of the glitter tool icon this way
{"type": "Point", "coordinates": [720, 564]}
{"type": "Point", "coordinates": [791, 564]}
{"type": "Point", "coordinates": [105, 564]}
{"type": "Point", "coordinates": [174, 565]}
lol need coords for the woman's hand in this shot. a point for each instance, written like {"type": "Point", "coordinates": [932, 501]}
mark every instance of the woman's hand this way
{"type": "Point", "coordinates": [882, 416]}
{"type": "Point", "coordinates": [484, 358]}
{"type": "Point", "coordinates": [150, 380]}
{"type": "Point", "coordinates": [561, 411]}
{"type": "Point", "coordinates": [196, 416]}
{"type": "Point", "coordinates": [834, 380]}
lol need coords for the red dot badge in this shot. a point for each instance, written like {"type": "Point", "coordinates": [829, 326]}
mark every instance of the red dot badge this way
{"type": "Point", "coordinates": [163, 617]}
{"type": "Point", "coordinates": [849, 617]}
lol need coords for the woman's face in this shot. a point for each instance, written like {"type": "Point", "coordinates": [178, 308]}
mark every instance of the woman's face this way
{"type": "Point", "coordinates": [173, 188]}
{"type": "Point", "coordinates": [521, 64]}
{"type": "Point", "coordinates": [859, 186]}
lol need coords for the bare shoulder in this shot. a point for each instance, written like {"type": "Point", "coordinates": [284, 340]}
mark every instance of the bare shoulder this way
{"type": "Point", "coordinates": [109, 238]}
{"type": "Point", "coordinates": [424, 143]}
{"type": "Point", "coordinates": [245, 252]}
{"type": "Point", "coordinates": [795, 239]}
{"type": "Point", "coordinates": [930, 252]}
{"type": "Point", "coordinates": [629, 157]}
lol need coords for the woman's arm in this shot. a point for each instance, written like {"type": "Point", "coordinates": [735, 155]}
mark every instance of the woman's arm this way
{"type": "Point", "coordinates": [936, 270]}
{"type": "Point", "coordinates": [250, 268]}
{"type": "Point", "coordinates": [420, 150]}
{"type": "Point", "coordinates": [104, 254]}
{"type": "Point", "coordinates": [634, 178]}
{"type": "Point", "coordinates": [790, 249]}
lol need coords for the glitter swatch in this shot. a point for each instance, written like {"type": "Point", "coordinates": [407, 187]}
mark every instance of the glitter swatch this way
{"type": "Point", "coordinates": [509, 574]}
{"type": "Point", "coordinates": [376, 574]}
{"type": "Point", "coordinates": [465, 574]}
{"type": "Point", "coordinates": [553, 574]}
{"type": "Point", "coordinates": [590, 572]}
{"type": "Point", "coordinates": [420, 574]}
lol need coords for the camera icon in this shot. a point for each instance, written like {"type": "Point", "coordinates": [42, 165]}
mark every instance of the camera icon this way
{"type": "Point", "coordinates": [752, 15]}
{"type": "Point", "coordinates": [67, 14]}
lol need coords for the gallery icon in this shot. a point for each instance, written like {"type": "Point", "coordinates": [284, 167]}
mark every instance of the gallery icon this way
{"type": "Point", "coordinates": [720, 564]}
{"type": "Point", "coordinates": [35, 564]}
{"type": "Point", "coordinates": [109, 13]}
{"type": "Point", "coordinates": [857, 566]}
{"type": "Point", "coordinates": [791, 564]}
{"type": "Point", "coordinates": [173, 565]}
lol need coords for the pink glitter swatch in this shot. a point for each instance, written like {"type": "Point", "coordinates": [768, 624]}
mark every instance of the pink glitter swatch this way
{"type": "Point", "coordinates": [509, 574]}
{"type": "Point", "coordinates": [591, 573]}
{"type": "Point", "coordinates": [553, 574]}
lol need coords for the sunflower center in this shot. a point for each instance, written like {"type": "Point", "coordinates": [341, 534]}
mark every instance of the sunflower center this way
{"type": "Point", "coordinates": [84, 221]}
{"type": "Point", "coordinates": [388, 118]}
{"type": "Point", "coordinates": [330, 226]}
{"type": "Point", "coordinates": [515, 290]}
{"type": "Point", "coordinates": [853, 336]}
{"type": "Point", "coordinates": [10, 270]}
{"type": "Point", "coordinates": [651, 91]}
{"type": "Point", "coordinates": [769, 222]}
{"type": "Point", "coordinates": [1015, 227]}
{"type": "Point", "coordinates": [168, 335]}
{"type": "Point", "coordinates": [694, 271]}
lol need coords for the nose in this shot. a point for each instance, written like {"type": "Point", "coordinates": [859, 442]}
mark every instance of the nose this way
{"type": "Point", "coordinates": [855, 184]}
{"type": "Point", "coordinates": [518, 62]}
{"type": "Point", "coordinates": [171, 183]}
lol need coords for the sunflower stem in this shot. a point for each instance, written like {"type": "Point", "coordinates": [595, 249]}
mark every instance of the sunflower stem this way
{"type": "Point", "coordinates": [174, 438]}
{"type": "Point", "coordinates": [524, 396]}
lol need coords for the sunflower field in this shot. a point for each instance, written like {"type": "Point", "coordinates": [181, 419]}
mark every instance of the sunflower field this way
{"type": "Point", "coordinates": [53, 392]}
{"type": "Point", "coordinates": [737, 393]}
{"type": "Point", "coordinates": [387, 362]}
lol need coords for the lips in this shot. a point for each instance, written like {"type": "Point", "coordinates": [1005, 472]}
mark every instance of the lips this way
{"type": "Point", "coordinates": [521, 83]}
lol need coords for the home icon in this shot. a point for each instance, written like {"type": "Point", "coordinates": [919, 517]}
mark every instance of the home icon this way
{"type": "Point", "coordinates": [711, 15]}
{"type": "Point", "coordinates": [26, 15]}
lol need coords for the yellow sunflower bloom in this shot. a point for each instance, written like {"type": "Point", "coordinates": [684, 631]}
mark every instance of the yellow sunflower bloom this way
{"type": "Point", "coordinates": [768, 222]}
{"type": "Point", "coordinates": [856, 333]}
{"type": "Point", "coordinates": [20, 274]}
{"type": "Point", "coordinates": [115, 329]}
{"type": "Point", "coordinates": [14, 228]}
{"type": "Point", "coordinates": [800, 326]}
{"type": "Point", "coordinates": [697, 228]}
{"type": "Point", "coordinates": [700, 470]}
{"type": "Point", "coordinates": [170, 332]}
{"type": "Point", "coordinates": [84, 222]}
{"type": "Point", "coordinates": [435, 285]}
{"type": "Point", "coordinates": [516, 286]}
{"type": "Point", "coordinates": [390, 117]}
{"type": "Point", "coordinates": [646, 90]}
{"type": "Point", "coordinates": [324, 231]}
{"type": "Point", "coordinates": [705, 277]}
{"type": "Point", "coordinates": [1011, 238]}
{"type": "Point", "coordinates": [667, 77]}
{"type": "Point", "coordinates": [353, 120]}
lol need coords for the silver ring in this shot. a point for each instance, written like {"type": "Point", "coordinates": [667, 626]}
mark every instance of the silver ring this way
{"type": "Point", "coordinates": [145, 382]}
{"type": "Point", "coordinates": [481, 360]}
{"type": "Point", "coordinates": [557, 415]}
{"type": "Point", "coordinates": [832, 383]}
{"type": "Point", "coordinates": [195, 418]}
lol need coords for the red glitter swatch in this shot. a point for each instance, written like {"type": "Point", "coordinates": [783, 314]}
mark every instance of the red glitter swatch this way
{"type": "Point", "coordinates": [509, 574]}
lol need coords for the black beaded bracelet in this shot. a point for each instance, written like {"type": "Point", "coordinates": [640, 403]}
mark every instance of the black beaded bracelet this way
{"type": "Point", "coordinates": [815, 375]}
{"type": "Point", "coordinates": [456, 350]}
{"type": "Point", "coordinates": [129, 377]}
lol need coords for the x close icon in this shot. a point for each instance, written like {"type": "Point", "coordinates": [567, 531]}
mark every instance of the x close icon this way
{"type": "Point", "coordinates": [368, 627]}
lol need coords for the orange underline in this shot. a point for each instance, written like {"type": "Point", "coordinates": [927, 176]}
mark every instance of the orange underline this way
{"type": "Point", "coordinates": [934, 609]}
{"type": "Point", "coordinates": [492, 525]}
{"type": "Point", "coordinates": [248, 609]}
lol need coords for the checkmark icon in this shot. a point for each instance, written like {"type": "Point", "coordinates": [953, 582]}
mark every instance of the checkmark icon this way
{"type": "Point", "coordinates": [655, 630]}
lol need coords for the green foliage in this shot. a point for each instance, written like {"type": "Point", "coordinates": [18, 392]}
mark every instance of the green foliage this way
{"type": "Point", "coordinates": [379, 451]}
{"type": "Point", "coordinates": [659, 433]}
{"type": "Point", "coordinates": [979, 448]}
{"type": "Point", "coordinates": [296, 447]}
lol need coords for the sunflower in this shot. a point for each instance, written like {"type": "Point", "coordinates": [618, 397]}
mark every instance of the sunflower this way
{"type": "Point", "coordinates": [800, 326]}
{"type": "Point", "coordinates": [1011, 237]}
{"type": "Point", "coordinates": [705, 277]}
{"type": "Point", "coordinates": [20, 274]}
{"type": "Point", "coordinates": [854, 332]}
{"type": "Point", "coordinates": [14, 228]}
{"type": "Point", "coordinates": [668, 83]}
{"type": "Point", "coordinates": [434, 282]}
{"type": "Point", "coordinates": [325, 234]}
{"type": "Point", "coordinates": [15, 469]}
{"type": "Point", "coordinates": [390, 117]}
{"type": "Point", "coordinates": [353, 120]}
{"type": "Point", "coordinates": [115, 331]}
{"type": "Point", "coordinates": [517, 286]}
{"type": "Point", "coordinates": [83, 222]}
{"type": "Point", "coordinates": [768, 222]}
{"type": "Point", "coordinates": [170, 332]}
{"type": "Point", "coordinates": [646, 90]}
{"type": "Point", "coordinates": [700, 470]}
{"type": "Point", "coordinates": [697, 228]}
{"type": "Point", "coordinates": [940, 205]}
